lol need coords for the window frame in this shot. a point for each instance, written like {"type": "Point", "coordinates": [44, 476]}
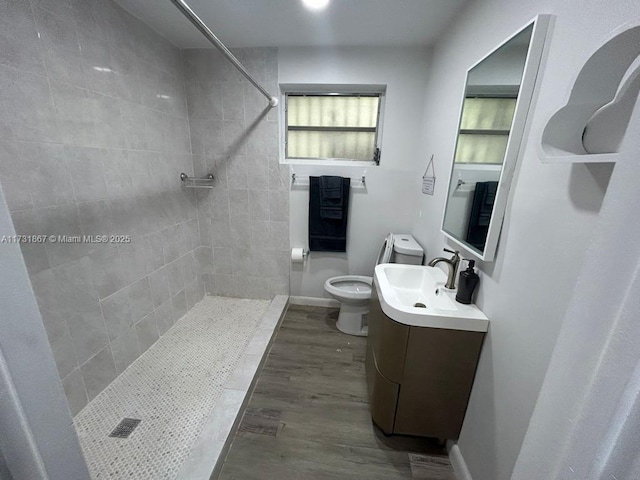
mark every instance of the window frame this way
{"type": "Point", "coordinates": [287, 90]}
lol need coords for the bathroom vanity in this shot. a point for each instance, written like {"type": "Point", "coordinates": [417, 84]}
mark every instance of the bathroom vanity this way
{"type": "Point", "coordinates": [420, 376]}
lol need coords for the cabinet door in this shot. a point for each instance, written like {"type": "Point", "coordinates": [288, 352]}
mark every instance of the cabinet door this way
{"type": "Point", "coordinates": [438, 376]}
{"type": "Point", "coordinates": [388, 339]}
{"type": "Point", "coordinates": [383, 396]}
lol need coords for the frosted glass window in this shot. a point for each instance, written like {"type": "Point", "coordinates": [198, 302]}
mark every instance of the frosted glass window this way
{"type": "Point", "coordinates": [481, 148]}
{"type": "Point", "coordinates": [325, 126]}
{"type": "Point", "coordinates": [484, 129]}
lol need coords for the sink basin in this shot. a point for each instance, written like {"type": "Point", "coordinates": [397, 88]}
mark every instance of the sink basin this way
{"type": "Point", "coordinates": [415, 295]}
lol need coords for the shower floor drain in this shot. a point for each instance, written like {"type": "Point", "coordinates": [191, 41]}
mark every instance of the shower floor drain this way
{"type": "Point", "coordinates": [125, 427]}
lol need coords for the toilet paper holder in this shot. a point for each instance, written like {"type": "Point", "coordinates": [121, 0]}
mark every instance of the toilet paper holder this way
{"type": "Point", "coordinates": [299, 254]}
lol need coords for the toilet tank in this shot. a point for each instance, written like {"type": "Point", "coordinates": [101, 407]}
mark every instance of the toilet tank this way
{"type": "Point", "coordinates": [406, 250]}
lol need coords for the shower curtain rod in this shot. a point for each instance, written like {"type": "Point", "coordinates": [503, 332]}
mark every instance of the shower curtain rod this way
{"type": "Point", "coordinates": [206, 31]}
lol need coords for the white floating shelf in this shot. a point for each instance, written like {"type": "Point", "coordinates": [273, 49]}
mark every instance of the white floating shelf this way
{"type": "Point", "coordinates": [591, 126]}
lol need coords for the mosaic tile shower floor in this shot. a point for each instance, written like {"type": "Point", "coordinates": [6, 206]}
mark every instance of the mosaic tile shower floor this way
{"type": "Point", "coordinates": [172, 388]}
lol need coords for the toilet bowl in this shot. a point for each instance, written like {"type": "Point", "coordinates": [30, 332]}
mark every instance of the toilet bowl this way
{"type": "Point", "coordinates": [354, 291]}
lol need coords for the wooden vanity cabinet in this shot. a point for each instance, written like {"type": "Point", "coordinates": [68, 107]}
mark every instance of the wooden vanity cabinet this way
{"type": "Point", "coordinates": [419, 378]}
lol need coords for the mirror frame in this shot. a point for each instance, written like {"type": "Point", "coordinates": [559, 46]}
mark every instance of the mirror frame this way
{"type": "Point", "coordinates": [512, 153]}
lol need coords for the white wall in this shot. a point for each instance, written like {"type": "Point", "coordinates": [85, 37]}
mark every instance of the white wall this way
{"type": "Point", "coordinates": [587, 418]}
{"type": "Point", "coordinates": [550, 217]}
{"type": "Point", "coordinates": [386, 204]}
{"type": "Point", "coordinates": [38, 439]}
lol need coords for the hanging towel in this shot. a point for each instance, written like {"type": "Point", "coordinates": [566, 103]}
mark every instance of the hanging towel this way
{"type": "Point", "coordinates": [481, 209]}
{"type": "Point", "coordinates": [328, 213]}
{"type": "Point", "coordinates": [331, 197]}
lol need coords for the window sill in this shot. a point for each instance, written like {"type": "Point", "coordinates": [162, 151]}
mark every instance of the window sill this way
{"type": "Point", "coordinates": [328, 162]}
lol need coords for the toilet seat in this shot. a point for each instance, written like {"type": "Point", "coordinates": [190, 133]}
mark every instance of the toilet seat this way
{"type": "Point", "coordinates": [357, 288]}
{"type": "Point", "coordinates": [353, 287]}
{"type": "Point", "coordinates": [386, 250]}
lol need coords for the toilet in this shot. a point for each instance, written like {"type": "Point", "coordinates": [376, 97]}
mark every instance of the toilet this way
{"type": "Point", "coordinates": [354, 291]}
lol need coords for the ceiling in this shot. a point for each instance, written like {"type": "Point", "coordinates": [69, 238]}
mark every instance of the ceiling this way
{"type": "Point", "coordinates": [280, 23]}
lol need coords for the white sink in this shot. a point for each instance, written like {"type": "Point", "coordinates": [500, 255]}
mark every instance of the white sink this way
{"type": "Point", "coordinates": [415, 295]}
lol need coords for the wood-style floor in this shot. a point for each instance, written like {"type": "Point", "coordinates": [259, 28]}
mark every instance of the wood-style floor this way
{"type": "Point", "coordinates": [309, 418]}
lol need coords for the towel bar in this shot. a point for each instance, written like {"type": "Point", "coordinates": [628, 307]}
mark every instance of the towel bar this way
{"type": "Point", "coordinates": [355, 182]}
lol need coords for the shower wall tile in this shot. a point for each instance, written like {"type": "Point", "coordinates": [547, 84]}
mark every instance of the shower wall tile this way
{"type": "Point", "coordinates": [278, 286]}
{"type": "Point", "coordinates": [27, 101]}
{"type": "Point", "coordinates": [278, 236]}
{"type": "Point", "coordinates": [160, 292]}
{"type": "Point", "coordinates": [205, 260]}
{"type": "Point", "coordinates": [86, 168]}
{"type": "Point", "coordinates": [95, 131]}
{"type": "Point", "coordinates": [95, 217]}
{"type": "Point", "coordinates": [204, 102]}
{"type": "Point", "coordinates": [147, 330]}
{"type": "Point", "coordinates": [64, 354]}
{"type": "Point", "coordinates": [108, 119]}
{"type": "Point", "coordinates": [35, 256]}
{"type": "Point", "coordinates": [259, 234]}
{"type": "Point", "coordinates": [221, 233]}
{"type": "Point", "coordinates": [194, 291]}
{"type": "Point", "coordinates": [258, 165]}
{"type": "Point", "coordinates": [46, 168]}
{"type": "Point", "coordinates": [125, 349]}
{"type": "Point", "coordinates": [108, 270]}
{"type": "Point", "coordinates": [176, 276]}
{"type": "Point", "coordinates": [233, 101]}
{"type": "Point", "coordinates": [116, 174]}
{"type": "Point", "coordinates": [65, 65]}
{"type": "Point", "coordinates": [116, 310]}
{"type": "Point", "coordinates": [99, 372]}
{"type": "Point", "coordinates": [223, 261]}
{"type": "Point", "coordinates": [259, 204]}
{"type": "Point", "coordinates": [19, 45]}
{"type": "Point", "coordinates": [239, 204]}
{"type": "Point", "coordinates": [179, 304]}
{"type": "Point", "coordinates": [14, 177]}
{"type": "Point", "coordinates": [240, 233]}
{"type": "Point", "coordinates": [279, 206]}
{"type": "Point", "coordinates": [237, 172]}
{"type": "Point", "coordinates": [279, 179]}
{"type": "Point", "coordinates": [222, 285]}
{"type": "Point", "coordinates": [154, 251]}
{"type": "Point", "coordinates": [140, 299]}
{"type": "Point", "coordinates": [5, 124]}
{"type": "Point", "coordinates": [53, 6]}
{"type": "Point", "coordinates": [164, 316]}
{"type": "Point", "coordinates": [75, 390]}
{"type": "Point", "coordinates": [74, 113]}
{"type": "Point", "coordinates": [133, 258]}
{"type": "Point", "coordinates": [190, 268]}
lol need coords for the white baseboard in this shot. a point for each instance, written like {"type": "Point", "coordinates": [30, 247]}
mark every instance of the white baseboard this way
{"type": "Point", "coordinates": [457, 461]}
{"type": "Point", "coordinates": [314, 302]}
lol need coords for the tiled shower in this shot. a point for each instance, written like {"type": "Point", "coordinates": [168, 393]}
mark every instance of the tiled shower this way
{"type": "Point", "coordinates": [99, 115]}
{"type": "Point", "coordinates": [244, 221]}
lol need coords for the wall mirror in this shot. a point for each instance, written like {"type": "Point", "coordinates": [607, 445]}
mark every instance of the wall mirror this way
{"type": "Point", "coordinates": [497, 95]}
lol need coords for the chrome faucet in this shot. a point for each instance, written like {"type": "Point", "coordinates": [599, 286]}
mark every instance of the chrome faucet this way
{"type": "Point", "coordinates": [453, 263]}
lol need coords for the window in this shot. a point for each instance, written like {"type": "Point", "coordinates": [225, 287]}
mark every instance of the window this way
{"type": "Point", "coordinates": [335, 125]}
{"type": "Point", "coordinates": [484, 129]}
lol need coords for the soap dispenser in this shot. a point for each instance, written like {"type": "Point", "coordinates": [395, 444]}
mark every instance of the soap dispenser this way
{"type": "Point", "coordinates": [467, 283]}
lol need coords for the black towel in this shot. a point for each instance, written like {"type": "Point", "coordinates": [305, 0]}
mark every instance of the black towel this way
{"type": "Point", "coordinates": [331, 197]}
{"type": "Point", "coordinates": [328, 225]}
{"type": "Point", "coordinates": [481, 210]}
